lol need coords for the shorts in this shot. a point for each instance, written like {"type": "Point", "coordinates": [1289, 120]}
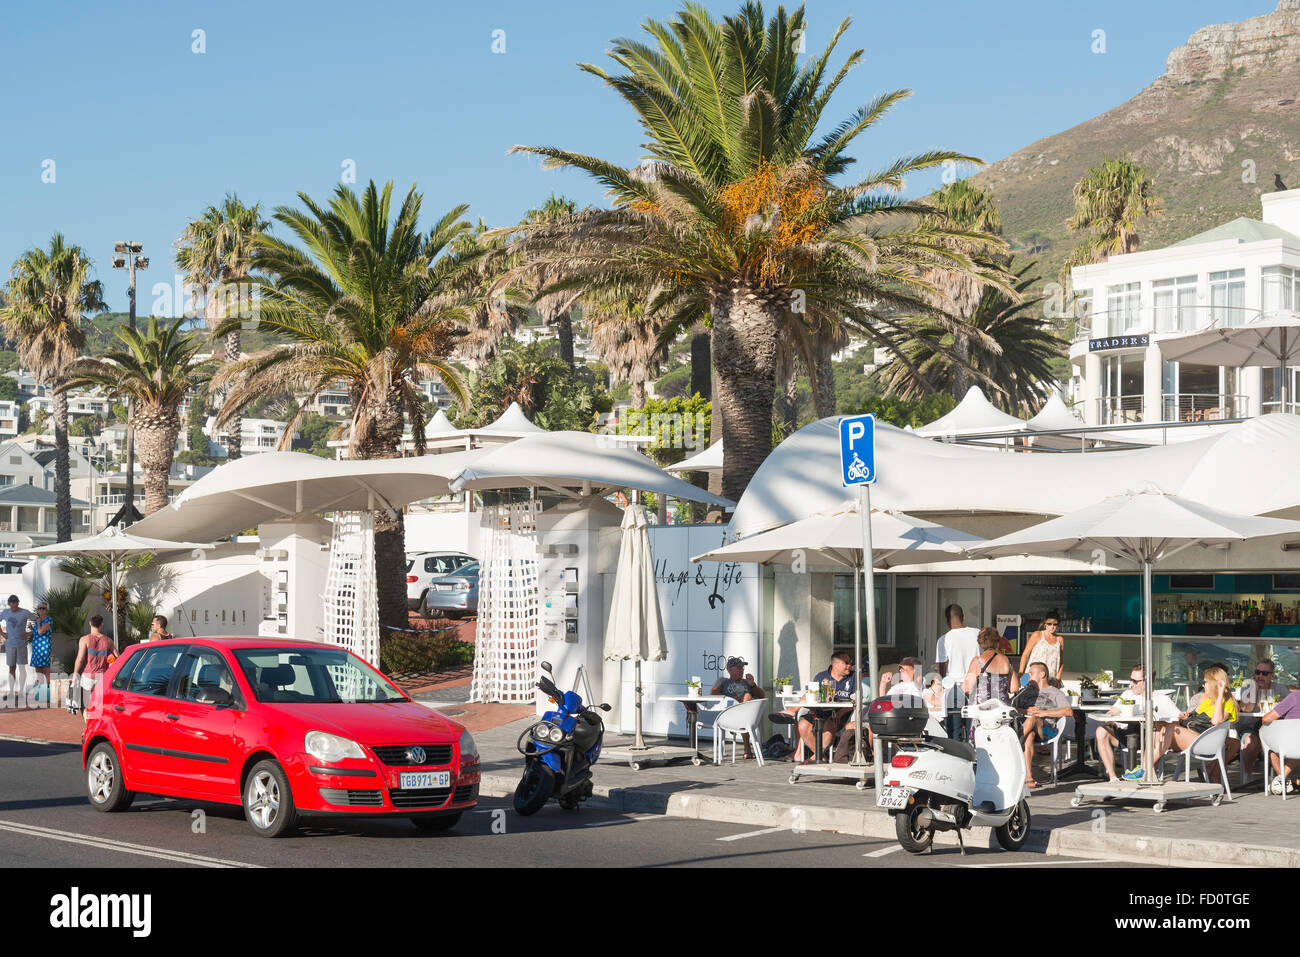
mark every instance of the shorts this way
{"type": "Point", "coordinates": [1047, 731]}
{"type": "Point", "coordinates": [15, 655]}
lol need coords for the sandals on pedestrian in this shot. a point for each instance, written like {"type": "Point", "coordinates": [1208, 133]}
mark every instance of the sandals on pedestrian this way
{"type": "Point", "coordinates": [1031, 783]}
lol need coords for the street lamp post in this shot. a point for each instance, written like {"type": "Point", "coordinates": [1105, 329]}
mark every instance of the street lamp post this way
{"type": "Point", "coordinates": [129, 259]}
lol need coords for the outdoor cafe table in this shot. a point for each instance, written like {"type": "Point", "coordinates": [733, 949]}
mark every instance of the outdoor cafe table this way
{"type": "Point", "coordinates": [820, 711]}
{"type": "Point", "coordinates": [691, 702]}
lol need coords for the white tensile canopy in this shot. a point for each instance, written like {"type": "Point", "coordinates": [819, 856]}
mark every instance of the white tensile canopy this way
{"type": "Point", "coordinates": [973, 414]}
{"type": "Point", "coordinates": [1146, 526]}
{"type": "Point", "coordinates": [707, 460]}
{"type": "Point", "coordinates": [1269, 341]}
{"type": "Point", "coordinates": [570, 462]}
{"type": "Point", "coordinates": [1241, 464]}
{"type": "Point", "coordinates": [114, 544]}
{"type": "Point", "coordinates": [279, 485]}
{"type": "Point", "coordinates": [636, 628]}
{"type": "Point", "coordinates": [1054, 416]}
{"type": "Point", "coordinates": [438, 425]}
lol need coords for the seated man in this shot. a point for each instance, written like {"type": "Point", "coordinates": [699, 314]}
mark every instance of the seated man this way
{"type": "Point", "coordinates": [908, 683]}
{"type": "Point", "coordinates": [1108, 735]}
{"type": "Point", "coordinates": [741, 686]}
{"type": "Point", "coordinates": [840, 675]}
{"type": "Point", "coordinates": [1288, 709]}
{"type": "Point", "coordinates": [1048, 704]}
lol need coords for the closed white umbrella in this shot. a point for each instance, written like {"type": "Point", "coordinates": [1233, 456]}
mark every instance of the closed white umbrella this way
{"type": "Point", "coordinates": [1270, 341]}
{"type": "Point", "coordinates": [636, 627]}
{"type": "Point", "coordinates": [837, 538]}
{"type": "Point", "coordinates": [113, 544]}
{"type": "Point", "coordinates": [1147, 526]}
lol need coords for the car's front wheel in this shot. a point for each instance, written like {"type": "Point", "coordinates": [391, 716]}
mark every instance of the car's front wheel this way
{"type": "Point", "coordinates": [268, 802]}
{"type": "Point", "coordinates": [104, 783]}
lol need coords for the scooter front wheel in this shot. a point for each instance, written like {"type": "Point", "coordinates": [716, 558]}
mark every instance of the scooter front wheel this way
{"type": "Point", "coordinates": [534, 788]}
{"type": "Point", "coordinates": [914, 837]}
{"type": "Point", "coordinates": [1015, 832]}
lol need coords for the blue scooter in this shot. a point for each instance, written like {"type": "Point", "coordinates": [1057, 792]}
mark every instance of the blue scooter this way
{"type": "Point", "coordinates": [559, 751]}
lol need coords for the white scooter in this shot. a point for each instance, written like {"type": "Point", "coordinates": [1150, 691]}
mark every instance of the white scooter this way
{"type": "Point", "coordinates": [938, 784]}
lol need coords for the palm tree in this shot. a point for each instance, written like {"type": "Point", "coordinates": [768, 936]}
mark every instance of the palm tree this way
{"type": "Point", "coordinates": [626, 336]}
{"type": "Point", "coordinates": [49, 296]}
{"type": "Point", "coordinates": [369, 301]}
{"type": "Point", "coordinates": [555, 308]}
{"type": "Point", "coordinates": [157, 370]}
{"type": "Point", "coordinates": [215, 253]}
{"type": "Point", "coordinates": [489, 319]}
{"type": "Point", "coordinates": [1109, 200]}
{"type": "Point", "coordinates": [739, 218]}
{"type": "Point", "coordinates": [1013, 352]}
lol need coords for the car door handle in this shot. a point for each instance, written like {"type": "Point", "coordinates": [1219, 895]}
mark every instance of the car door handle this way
{"type": "Point", "coordinates": [119, 707]}
{"type": "Point", "coordinates": [173, 717]}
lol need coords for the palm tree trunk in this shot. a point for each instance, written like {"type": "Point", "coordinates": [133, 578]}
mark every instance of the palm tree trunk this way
{"type": "Point", "coordinates": [701, 362]}
{"type": "Point", "coordinates": [745, 324]}
{"type": "Point", "coordinates": [62, 483]}
{"type": "Point", "coordinates": [564, 329]}
{"type": "Point", "coordinates": [961, 380]}
{"type": "Point", "coordinates": [156, 428]}
{"type": "Point", "coordinates": [385, 442]}
{"type": "Point", "coordinates": [234, 431]}
{"type": "Point", "coordinates": [784, 413]}
{"type": "Point", "coordinates": [824, 377]}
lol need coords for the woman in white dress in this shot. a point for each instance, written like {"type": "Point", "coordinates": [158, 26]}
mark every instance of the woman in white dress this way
{"type": "Point", "coordinates": [1046, 646]}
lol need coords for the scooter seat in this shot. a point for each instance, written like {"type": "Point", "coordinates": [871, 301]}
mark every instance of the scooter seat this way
{"type": "Point", "coordinates": [958, 749]}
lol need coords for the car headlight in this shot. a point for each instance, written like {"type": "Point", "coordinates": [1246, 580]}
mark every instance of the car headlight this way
{"type": "Point", "coordinates": [556, 734]}
{"type": "Point", "coordinates": [468, 749]}
{"type": "Point", "coordinates": [330, 747]}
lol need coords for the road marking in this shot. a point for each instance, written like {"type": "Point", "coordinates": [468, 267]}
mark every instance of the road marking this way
{"type": "Point", "coordinates": [883, 851]}
{"type": "Point", "coordinates": [627, 820]}
{"type": "Point", "coordinates": [741, 837]}
{"type": "Point", "coordinates": [124, 847]}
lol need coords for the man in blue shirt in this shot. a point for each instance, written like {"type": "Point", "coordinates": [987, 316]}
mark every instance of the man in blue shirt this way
{"type": "Point", "coordinates": [843, 684]}
{"type": "Point", "coordinates": [14, 620]}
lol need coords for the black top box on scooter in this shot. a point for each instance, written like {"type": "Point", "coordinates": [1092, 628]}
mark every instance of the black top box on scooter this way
{"type": "Point", "coordinates": [897, 716]}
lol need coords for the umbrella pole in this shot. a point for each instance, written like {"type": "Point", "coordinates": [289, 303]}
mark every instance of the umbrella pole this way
{"type": "Point", "coordinates": [112, 577]}
{"type": "Point", "coordinates": [1148, 742]}
{"type": "Point", "coordinates": [1281, 371]}
{"type": "Point", "coordinates": [639, 741]}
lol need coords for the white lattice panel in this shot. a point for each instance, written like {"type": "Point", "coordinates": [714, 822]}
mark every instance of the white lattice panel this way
{"type": "Point", "coordinates": [509, 626]}
{"type": "Point", "coordinates": [351, 600]}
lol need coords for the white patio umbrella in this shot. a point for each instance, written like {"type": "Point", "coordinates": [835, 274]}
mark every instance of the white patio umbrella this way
{"type": "Point", "coordinates": [636, 628]}
{"type": "Point", "coordinates": [114, 544]}
{"type": "Point", "coordinates": [1145, 525]}
{"type": "Point", "coordinates": [837, 538]}
{"type": "Point", "coordinates": [1269, 341]}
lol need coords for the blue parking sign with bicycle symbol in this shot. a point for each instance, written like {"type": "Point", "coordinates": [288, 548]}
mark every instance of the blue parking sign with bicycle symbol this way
{"type": "Point", "coordinates": [858, 449]}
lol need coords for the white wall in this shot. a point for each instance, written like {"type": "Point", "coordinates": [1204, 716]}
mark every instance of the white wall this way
{"type": "Point", "coordinates": [443, 531]}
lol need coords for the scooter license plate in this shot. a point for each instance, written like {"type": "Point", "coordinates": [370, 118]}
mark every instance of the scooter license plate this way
{"type": "Point", "coordinates": [425, 779]}
{"type": "Point", "coordinates": [894, 798]}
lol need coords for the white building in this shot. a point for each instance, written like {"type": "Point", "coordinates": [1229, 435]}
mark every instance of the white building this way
{"type": "Point", "coordinates": [332, 403]}
{"type": "Point", "coordinates": [255, 435]}
{"type": "Point", "coordinates": [79, 403]}
{"type": "Point", "coordinates": [1239, 272]}
{"type": "Point", "coordinates": [28, 517]}
{"type": "Point", "coordinates": [8, 419]}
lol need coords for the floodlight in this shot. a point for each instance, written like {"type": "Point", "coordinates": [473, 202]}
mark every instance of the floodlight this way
{"type": "Point", "coordinates": [119, 262]}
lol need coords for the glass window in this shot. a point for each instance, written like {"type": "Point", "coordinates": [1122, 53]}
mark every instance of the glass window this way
{"type": "Point", "coordinates": [1175, 303]}
{"type": "Point", "coordinates": [153, 675]}
{"type": "Point", "coordinates": [314, 675]}
{"type": "Point", "coordinates": [1122, 308]}
{"type": "Point", "coordinates": [843, 639]}
{"type": "Point", "coordinates": [1228, 297]}
{"type": "Point", "coordinates": [1281, 289]}
{"type": "Point", "coordinates": [123, 676]}
{"type": "Point", "coordinates": [204, 668]}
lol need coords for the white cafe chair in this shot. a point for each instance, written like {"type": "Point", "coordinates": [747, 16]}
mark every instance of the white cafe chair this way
{"type": "Point", "coordinates": [1064, 733]}
{"type": "Point", "coordinates": [1283, 737]}
{"type": "Point", "coordinates": [736, 721]}
{"type": "Point", "coordinates": [1207, 747]}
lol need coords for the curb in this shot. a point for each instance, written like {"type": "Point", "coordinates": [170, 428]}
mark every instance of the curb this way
{"type": "Point", "coordinates": [27, 740]}
{"type": "Point", "coordinates": [1084, 842]}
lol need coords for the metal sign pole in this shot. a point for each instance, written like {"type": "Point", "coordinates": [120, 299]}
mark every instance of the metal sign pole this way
{"type": "Point", "coordinates": [858, 759]}
{"type": "Point", "coordinates": [869, 581]}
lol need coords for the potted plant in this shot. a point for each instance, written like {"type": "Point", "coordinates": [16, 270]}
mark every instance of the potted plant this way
{"type": "Point", "coordinates": [786, 684]}
{"type": "Point", "coordinates": [693, 686]}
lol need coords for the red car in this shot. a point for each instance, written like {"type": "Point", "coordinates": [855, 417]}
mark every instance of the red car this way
{"type": "Point", "coordinates": [284, 728]}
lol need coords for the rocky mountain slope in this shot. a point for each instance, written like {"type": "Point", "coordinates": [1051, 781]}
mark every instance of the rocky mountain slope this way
{"type": "Point", "coordinates": [1212, 131]}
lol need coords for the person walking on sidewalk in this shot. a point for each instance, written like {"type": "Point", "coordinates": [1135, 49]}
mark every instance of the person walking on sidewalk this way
{"type": "Point", "coordinates": [93, 651]}
{"type": "Point", "coordinates": [15, 621]}
{"type": "Point", "coordinates": [42, 635]}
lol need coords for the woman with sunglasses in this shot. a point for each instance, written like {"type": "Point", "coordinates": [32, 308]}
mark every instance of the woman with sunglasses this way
{"type": "Point", "coordinates": [1046, 646]}
{"type": "Point", "coordinates": [42, 635]}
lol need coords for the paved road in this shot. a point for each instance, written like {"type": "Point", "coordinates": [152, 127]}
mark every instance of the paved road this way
{"type": "Point", "coordinates": [45, 821]}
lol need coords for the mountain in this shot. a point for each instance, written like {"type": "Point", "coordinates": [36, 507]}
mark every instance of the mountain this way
{"type": "Point", "coordinates": [1212, 132]}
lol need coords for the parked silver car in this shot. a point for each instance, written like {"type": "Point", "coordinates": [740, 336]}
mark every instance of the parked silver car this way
{"type": "Point", "coordinates": [424, 567]}
{"type": "Point", "coordinates": [454, 595]}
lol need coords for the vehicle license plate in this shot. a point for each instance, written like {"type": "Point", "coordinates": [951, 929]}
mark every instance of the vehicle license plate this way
{"type": "Point", "coordinates": [444, 587]}
{"type": "Point", "coordinates": [894, 798]}
{"type": "Point", "coordinates": [425, 779]}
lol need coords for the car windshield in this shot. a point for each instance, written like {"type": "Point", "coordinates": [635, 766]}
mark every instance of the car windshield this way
{"type": "Point", "coordinates": [312, 676]}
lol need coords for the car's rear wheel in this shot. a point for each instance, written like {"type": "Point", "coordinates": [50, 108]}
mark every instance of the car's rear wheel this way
{"type": "Point", "coordinates": [268, 802]}
{"type": "Point", "coordinates": [104, 783]}
{"type": "Point", "coordinates": [443, 823]}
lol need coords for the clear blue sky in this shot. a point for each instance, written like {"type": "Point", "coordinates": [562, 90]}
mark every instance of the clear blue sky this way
{"type": "Point", "coordinates": [144, 133]}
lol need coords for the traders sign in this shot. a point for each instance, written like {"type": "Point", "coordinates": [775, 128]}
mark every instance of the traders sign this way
{"type": "Point", "coordinates": [1119, 342]}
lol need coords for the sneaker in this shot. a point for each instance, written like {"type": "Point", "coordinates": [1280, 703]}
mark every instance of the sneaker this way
{"type": "Point", "coordinates": [1137, 774]}
{"type": "Point", "coordinates": [1277, 784]}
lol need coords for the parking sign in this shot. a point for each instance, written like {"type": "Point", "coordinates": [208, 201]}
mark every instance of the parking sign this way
{"type": "Point", "coordinates": [858, 449]}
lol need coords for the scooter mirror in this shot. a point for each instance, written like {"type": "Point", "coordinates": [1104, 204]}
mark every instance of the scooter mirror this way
{"type": "Point", "coordinates": [604, 707]}
{"type": "Point", "coordinates": [546, 666]}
